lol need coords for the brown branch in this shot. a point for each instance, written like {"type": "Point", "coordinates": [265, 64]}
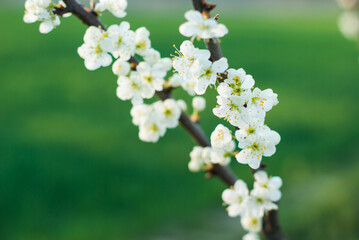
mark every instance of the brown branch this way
{"type": "Point", "coordinates": [271, 227]}
{"type": "Point", "coordinates": [198, 135]}
{"type": "Point", "coordinates": [85, 15]}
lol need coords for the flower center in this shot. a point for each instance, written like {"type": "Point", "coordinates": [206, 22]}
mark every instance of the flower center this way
{"type": "Point", "coordinates": [98, 50]}
{"type": "Point", "coordinates": [154, 127]}
{"type": "Point", "coordinates": [119, 40]}
{"type": "Point", "coordinates": [167, 112]}
{"type": "Point", "coordinates": [250, 130]}
{"type": "Point", "coordinates": [255, 146]}
{"type": "Point", "coordinates": [208, 72]}
{"type": "Point", "coordinates": [149, 78]}
{"type": "Point", "coordinates": [141, 45]}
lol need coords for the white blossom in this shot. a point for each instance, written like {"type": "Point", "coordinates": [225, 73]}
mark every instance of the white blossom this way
{"type": "Point", "coordinates": [349, 25]}
{"type": "Point", "coordinates": [121, 67]}
{"type": "Point", "coordinates": [95, 49]}
{"type": "Point", "coordinates": [49, 24]}
{"type": "Point", "coordinates": [188, 85]}
{"type": "Point", "coordinates": [182, 105]}
{"type": "Point", "coordinates": [188, 56]}
{"type": "Point", "coordinates": [257, 145]}
{"type": "Point", "coordinates": [116, 7]}
{"type": "Point", "coordinates": [175, 80]}
{"type": "Point", "coordinates": [222, 155]}
{"type": "Point", "coordinates": [252, 222]}
{"type": "Point", "coordinates": [271, 184]}
{"type": "Point", "coordinates": [200, 26]}
{"type": "Point", "coordinates": [151, 126]}
{"type": "Point", "coordinates": [123, 40]}
{"type": "Point", "coordinates": [153, 58]}
{"type": "Point", "coordinates": [237, 85]}
{"type": "Point", "coordinates": [263, 100]}
{"type": "Point", "coordinates": [251, 236]}
{"type": "Point", "coordinates": [132, 88]}
{"type": "Point", "coordinates": [153, 120]}
{"type": "Point", "coordinates": [199, 159]}
{"type": "Point", "coordinates": [143, 42]}
{"type": "Point", "coordinates": [234, 198]}
{"type": "Point", "coordinates": [41, 10]}
{"type": "Point", "coordinates": [221, 136]}
{"type": "Point", "coordinates": [199, 103]}
{"type": "Point", "coordinates": [260, 201]}
{"type": "Point", "coordinates": [230, 108]}
{"type": "Point", "coordinates": [152, 129]}
{"type": "Point", "coordinates": [154, 69]}
{"type": "Point", "coordinates": [208, 73]}
{"type": "Point", "coordinates": [140, 113]}
{"type": "Point", "coordinates": [188, 65]}
{"type": "Point", "coordinates": [168, 111]}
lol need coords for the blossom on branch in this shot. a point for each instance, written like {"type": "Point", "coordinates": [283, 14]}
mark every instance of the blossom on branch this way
{"type": "Point", "coordinates": [41, 10]}
{"type": "Point", "coordinates": [143, 42]}
{"type": "Point", "coordinates": [154, 69]}
{"type": "Point", "coordinates": [121, 67]}
{"type": "Point", "coordinates": [116, 7]}
{"type": "Point", "coordinates": [271, 184]}
{"type": "Point", "coordinates": [133, 88]}
{"type": "Point", "coordinates": [221, 136]}
{"type": "Point", "coordinates": [257, 145]}
{"type": "Point", "coordinates": [252, 222]}
{"type": "Point", "coordinates": [199, 26]}
{"type": "Point", "coordinates": [95, 49]}
{"type": "Point", "coordinates": [235, 198]}
{"type": "Point", "coordinates": [208, 73]}
{"type": "Point", "coordinates": [153, 120]}
{"type": "Point", "coordinates": [251, 236]}
{"type": "Point", "coordinates": [199, 103]}
{"type": "Point", "coordinates": [123, 40]}
{"type": "Point", "coordinates": [198, 162]}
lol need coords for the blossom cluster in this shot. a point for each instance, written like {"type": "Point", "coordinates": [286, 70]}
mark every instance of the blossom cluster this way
{"type": "Point", "coordinates": [195, 69]}
{"type": "Point", "coordinates": [251, 206]}
{"type": "Point", "coordinates": [241, 106]}
{"type": "Point", "coordinates": [153, 120]}
{"type": "Point", "coordinates": [42, 11]}
{"type": "Point", "coordinates": [220, 151]}
{"type": "Point", "coordinates": [246, 109]}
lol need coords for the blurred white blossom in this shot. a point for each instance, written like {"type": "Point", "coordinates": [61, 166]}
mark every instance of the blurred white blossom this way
{"type": "Point", "coordinates": [116, 7]}
{"type": "Point", "coordinates": [200, 26]}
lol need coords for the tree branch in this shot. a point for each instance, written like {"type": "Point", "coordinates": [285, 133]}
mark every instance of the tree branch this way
{"type": "Point", "coordinates": [86, 16]}
{"type": "Point", "coordinates": [271, 227]}
{"type": "Point", "coordinates": [194, 130]}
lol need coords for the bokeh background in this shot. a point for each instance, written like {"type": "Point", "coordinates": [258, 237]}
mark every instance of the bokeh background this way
{"type": "Point", "coordinates": [72, 166]}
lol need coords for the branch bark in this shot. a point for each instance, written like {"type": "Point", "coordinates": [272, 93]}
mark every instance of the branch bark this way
{"type": "Point", "coordinates": [271, 227]}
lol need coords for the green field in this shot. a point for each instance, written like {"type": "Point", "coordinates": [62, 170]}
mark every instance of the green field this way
{"type": "Point", "coordinates": [72, 166]}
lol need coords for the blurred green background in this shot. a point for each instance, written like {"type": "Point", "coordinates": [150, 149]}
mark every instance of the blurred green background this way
{"type": "Point", "coordinates": [72, 166]}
